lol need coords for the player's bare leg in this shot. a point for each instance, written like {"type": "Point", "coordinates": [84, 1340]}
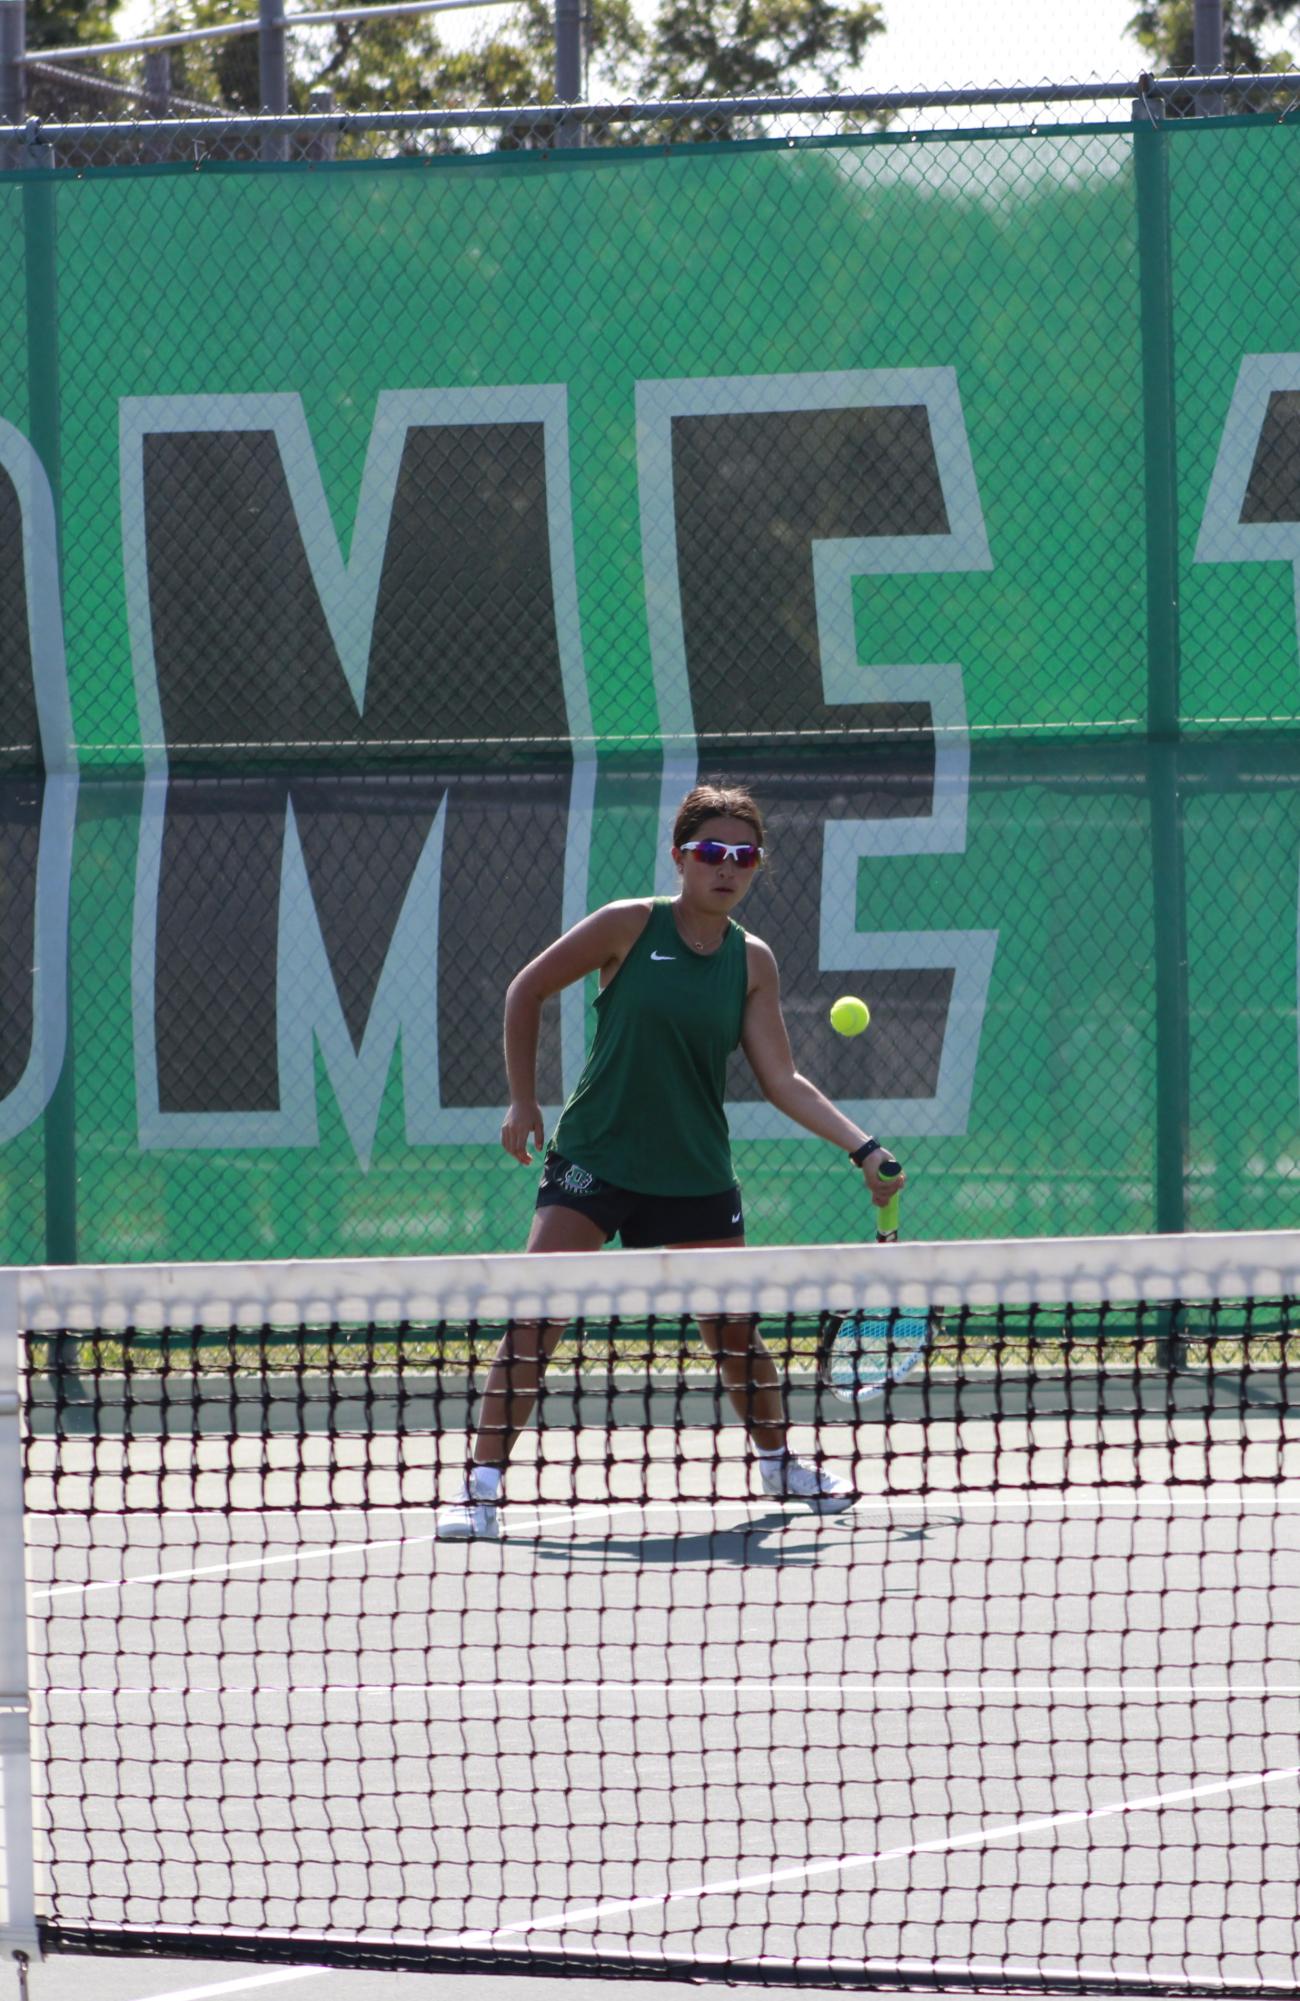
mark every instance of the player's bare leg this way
{"type": "Point", "coordinates": [512, 1387]}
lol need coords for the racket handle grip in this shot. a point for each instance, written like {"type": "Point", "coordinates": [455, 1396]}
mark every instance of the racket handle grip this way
{"type": "Point", "coordinates": [887, 1218]}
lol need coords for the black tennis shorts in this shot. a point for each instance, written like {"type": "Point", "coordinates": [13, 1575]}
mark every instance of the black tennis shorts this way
{"type": "Point", "coordinates": [641, 1222]}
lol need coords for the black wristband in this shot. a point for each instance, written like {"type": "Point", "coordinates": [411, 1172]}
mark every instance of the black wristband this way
{"type": "Point", "coordinates": [868, 1146]}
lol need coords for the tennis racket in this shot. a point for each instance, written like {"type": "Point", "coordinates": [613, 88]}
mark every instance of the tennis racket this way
{"type": "Point", "coordinates": [887, 1218]}
{"type": "Point", "coordinates": [862, 1353]}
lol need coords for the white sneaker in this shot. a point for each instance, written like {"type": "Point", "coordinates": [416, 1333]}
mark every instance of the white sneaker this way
{"type": "Point", "coordinates": [468, 1518]}
{"type": "Point", "coordinates": [791, 1479]}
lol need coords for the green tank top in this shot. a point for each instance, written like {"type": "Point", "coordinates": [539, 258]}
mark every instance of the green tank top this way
{"type": "Point", "coordinates": [647, 1113]}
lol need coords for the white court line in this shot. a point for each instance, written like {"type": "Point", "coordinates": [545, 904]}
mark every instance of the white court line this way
{"type": "Point", "coordinates": [308, 1551]}
{"type": "Point", "coordinates": [304, 1553]}
{"type": "Point", "coordinates": [556, 1516]}
{"type": "Point", "coordinates": [245, 1984]}
{"type": "Point", "coordinates": [300, 1555]}
{"type": "Point", "coordinates": [980, 1837]}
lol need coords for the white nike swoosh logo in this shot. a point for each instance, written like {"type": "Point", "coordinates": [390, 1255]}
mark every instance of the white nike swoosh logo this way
{"type": "Point", "coordinates": [664, 957]}
{"type": "Point", "coordinates": [736, 1217]}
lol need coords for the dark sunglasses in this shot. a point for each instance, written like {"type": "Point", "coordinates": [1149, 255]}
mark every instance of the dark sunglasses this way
{"type": "Point", "coordinates": [743, 853]}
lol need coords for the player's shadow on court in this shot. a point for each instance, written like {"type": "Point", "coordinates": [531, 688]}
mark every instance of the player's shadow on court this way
{"type": "Point", "coordinates": [748, 1545]}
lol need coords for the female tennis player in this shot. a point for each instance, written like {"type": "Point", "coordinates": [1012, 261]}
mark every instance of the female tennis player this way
{"type": "Point", "coordinates": [642, 1149]}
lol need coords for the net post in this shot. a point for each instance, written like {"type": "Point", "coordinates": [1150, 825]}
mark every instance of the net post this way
{"type": "Point", "coordinates": [18, 1934]}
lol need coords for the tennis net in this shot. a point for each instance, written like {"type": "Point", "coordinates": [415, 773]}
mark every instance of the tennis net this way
{"type": "Point", "coordinates": [1025, 1715]}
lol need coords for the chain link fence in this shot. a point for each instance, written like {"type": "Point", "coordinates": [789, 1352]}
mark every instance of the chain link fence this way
{"type": "Point", "coordinates": [918, 65]}
{"type": "Point", "coordinates": [191, 134]}
{"type": "Point", "coordinates": [389, 542]}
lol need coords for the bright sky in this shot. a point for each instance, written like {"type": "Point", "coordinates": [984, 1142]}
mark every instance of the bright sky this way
{"type": "Point", "coordinates": [937, 42]}
{"type": "Point", "coordinates": [929, 42]}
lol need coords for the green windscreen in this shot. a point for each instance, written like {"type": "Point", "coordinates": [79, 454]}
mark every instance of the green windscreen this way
{"type": "Point", "coordinates": [387, 547]}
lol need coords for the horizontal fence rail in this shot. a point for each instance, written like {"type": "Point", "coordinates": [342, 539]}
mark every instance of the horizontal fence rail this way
{"type": "Point", "coordinates": [1145, 91]}
{"type": "Point", "coordinates": [181, 37]}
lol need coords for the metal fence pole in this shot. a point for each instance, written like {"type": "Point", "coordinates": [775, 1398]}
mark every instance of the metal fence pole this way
{"type": "Point", "coordinates": [322, 145]}
{"type": "Point", "coordinates": [18, 1934]}
{"type": "Point", "coordinates": [40, 227]}
{"type": "Point", "coordinates": [13, 72]}
{"type": "Point", "coordinates": [1164, 713]}
{"type": "Point", "coordinates": [1207, 52]}
{"type": "Point", "coordinates": [568, 66]}
{"type": "Point", "coordinates": [273, 73]}
{"type": "Point", "coordinates": [13, 69]}
{"type": "Point", "coordinates": [157, 96]}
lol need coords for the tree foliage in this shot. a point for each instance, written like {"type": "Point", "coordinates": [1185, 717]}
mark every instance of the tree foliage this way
{"type": "Point", "coordinates": [58, 24]}
{"type": "Point", "coordinates": [738, 48]}
{"type": "Point", "coordinates": [1165, 29]}
{"type": "Point", "coordinates": [53, 24]}
{"type": "Point", "coordinates": [692, 48]}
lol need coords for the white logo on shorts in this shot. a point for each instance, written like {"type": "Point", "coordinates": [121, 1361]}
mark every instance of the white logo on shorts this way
{"type": "Point", "coordinates": [577, 1180]}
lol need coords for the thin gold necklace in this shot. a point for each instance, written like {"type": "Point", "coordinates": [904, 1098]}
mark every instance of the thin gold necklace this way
{"type": "Point", "coordinates": [690, 941]}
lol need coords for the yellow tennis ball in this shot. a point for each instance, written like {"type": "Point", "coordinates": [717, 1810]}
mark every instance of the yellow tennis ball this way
{"type": "Point", "coordinates": [849, 1015]}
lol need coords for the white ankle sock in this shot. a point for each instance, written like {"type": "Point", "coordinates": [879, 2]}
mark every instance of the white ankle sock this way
{"type": "Point", "coordinates": [485, 1483]}
{"type": "Point", "coordinates": [772, 1458]}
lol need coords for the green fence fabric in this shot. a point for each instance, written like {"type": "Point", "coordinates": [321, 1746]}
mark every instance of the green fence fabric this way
{"type": "Point", "coordinates": [387, 546]}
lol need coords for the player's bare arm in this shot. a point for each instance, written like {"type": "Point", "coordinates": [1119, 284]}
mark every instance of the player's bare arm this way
{"type": "Point", "coordinates": [641, 1150]}
{"type": "Point", "coordinates": [599, 944]}
{"type": "Point", "coordinates": [766, 1044]}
